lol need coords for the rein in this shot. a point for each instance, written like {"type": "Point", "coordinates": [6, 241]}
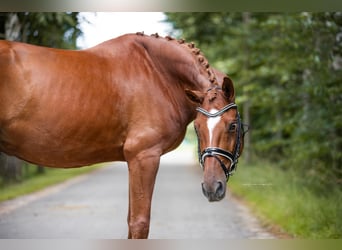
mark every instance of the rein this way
{"type": "Point", "coordinates": [216, 152]}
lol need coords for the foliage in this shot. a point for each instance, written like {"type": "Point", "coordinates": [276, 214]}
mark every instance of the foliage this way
{"type": "Point", "coordinates": [36, 182]}
{"type": "Point", "coordinates": [52, 29]}
{"type": "Point", "coordinates": [284, 200]}
{"type": "Point", "coordinates": [288, 68]}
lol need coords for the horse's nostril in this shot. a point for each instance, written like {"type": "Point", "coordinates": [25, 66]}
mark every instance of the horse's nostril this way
{"type": "Point", "coordinates": [219, 188]}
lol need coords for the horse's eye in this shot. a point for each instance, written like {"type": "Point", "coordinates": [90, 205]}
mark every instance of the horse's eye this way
{"type": "Point", "coordinates": [232, 127]}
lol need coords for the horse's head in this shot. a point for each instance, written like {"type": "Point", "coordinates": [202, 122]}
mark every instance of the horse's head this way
{"type": "Point", "coordinates": [220, 136]}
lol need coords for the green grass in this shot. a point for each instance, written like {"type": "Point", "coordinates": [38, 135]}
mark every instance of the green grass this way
{"type": "Point", "coordinates": [38, 182]}
{"type": "Point", "coordinates": [283, 198]}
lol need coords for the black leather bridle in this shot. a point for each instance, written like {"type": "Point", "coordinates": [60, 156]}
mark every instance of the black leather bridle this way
{"type": "Point", "coordinates": [217, 152]}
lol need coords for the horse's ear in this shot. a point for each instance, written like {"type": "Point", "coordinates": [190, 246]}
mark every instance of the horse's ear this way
{"type": "Point", "coordinates": [228, 89]}
{"type": "Point", "coordinates": [195, 96]}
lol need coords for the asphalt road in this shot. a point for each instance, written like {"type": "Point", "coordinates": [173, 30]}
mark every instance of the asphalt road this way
{"type": "Point", "coordinates": [95, 207]}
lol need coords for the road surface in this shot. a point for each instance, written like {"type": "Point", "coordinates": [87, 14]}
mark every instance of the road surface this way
{"type": "Point", "coordinates": [95, 206]}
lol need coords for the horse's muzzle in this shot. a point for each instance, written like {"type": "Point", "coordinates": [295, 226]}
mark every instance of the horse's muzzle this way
{"type": "Point", "coordinates": [214, 192]}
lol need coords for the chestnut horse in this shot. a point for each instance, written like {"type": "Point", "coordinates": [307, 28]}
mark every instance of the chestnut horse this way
{"type": "Point", "coordinates": [127, 99]}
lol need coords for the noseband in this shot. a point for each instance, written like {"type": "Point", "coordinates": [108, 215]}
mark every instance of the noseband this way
{"type": "Point", "coordinates": [216, 152]}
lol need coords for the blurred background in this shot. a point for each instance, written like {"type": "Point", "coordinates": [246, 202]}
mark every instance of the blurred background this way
{"type": "Point", "coordinates": [287, 72]}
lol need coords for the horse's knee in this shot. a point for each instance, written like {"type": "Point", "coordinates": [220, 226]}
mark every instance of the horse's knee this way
{"type": "Point", "coordinates": [139, 228]}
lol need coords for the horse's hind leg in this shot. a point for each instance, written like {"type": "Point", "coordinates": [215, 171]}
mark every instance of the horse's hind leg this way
{"type": "Point", "coordinates": [143, 169]}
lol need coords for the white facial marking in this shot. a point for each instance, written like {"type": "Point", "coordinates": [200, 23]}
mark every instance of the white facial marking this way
{"type": "Point", "coordinates": [211, 124]}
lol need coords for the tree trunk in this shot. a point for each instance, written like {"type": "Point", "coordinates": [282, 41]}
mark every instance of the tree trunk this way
{"type": "Point", "coordinates": [40, 169]}
{"type": "Point", "coordinates": [12, 27]}
{"type": "Point", "coordinates": [10, 168]}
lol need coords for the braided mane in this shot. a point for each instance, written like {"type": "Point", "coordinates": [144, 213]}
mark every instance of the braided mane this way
{"type": "Point", "coordinates": [195, 51]}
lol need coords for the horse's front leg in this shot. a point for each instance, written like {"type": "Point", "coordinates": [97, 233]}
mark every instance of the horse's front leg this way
{"type": "Point", "coordinates": [143, 169]}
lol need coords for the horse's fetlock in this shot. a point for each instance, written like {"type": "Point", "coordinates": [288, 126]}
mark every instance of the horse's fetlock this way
{"type": "Point", "coordinates": [139, 228]}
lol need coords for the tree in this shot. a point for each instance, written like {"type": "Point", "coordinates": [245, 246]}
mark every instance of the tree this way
{"type": "Point", "coordinates": [52, 29]}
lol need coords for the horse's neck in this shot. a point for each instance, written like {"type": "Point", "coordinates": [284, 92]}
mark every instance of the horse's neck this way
{"type": "Point", "coordinates": [180, 62]}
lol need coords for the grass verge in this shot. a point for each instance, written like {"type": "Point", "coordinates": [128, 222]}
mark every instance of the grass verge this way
{"type": "Point", "coordinates": [282, 198]}
{"type": "Point", "coordinates": [50, 177]}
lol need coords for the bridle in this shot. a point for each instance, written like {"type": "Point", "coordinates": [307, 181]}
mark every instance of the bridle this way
{"type": "Point", "coordinates": [215, 151]}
